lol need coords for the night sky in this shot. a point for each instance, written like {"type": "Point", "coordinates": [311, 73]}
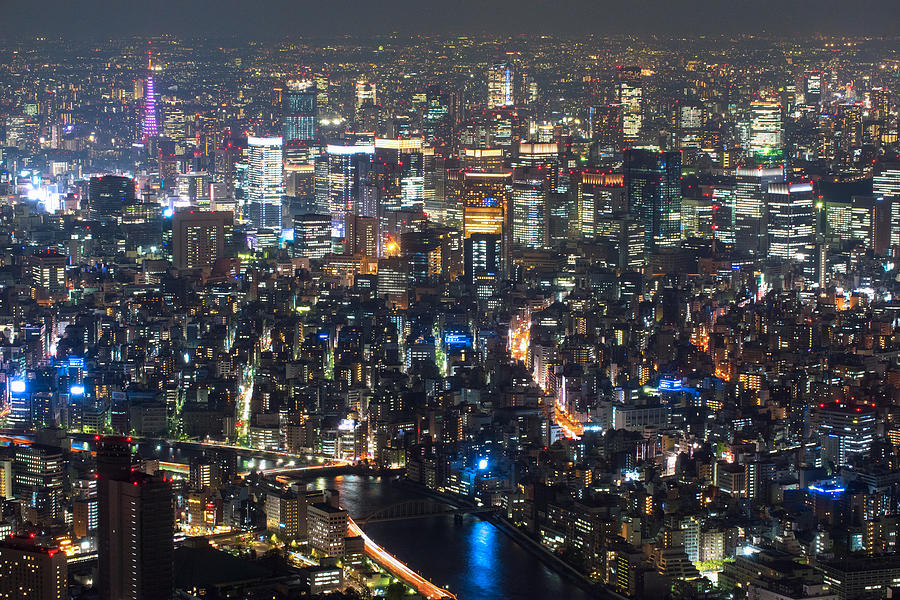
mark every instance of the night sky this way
{"type": "Point", "coordinates": [268, 19]}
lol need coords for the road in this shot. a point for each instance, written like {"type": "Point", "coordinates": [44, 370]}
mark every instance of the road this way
{"type": "Point", "coordinates": [392, 564]}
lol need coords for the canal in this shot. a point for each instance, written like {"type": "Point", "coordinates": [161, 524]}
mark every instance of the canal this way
{"type": "Point", "coordinates": [472, 559]}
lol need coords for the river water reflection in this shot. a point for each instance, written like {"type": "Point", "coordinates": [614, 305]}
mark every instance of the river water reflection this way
{"type": "Point", "coordinates": [472, 559]}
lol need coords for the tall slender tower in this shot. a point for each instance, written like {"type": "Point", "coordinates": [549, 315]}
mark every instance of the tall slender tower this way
{"type": "Point", "coordinates": [150, 128]}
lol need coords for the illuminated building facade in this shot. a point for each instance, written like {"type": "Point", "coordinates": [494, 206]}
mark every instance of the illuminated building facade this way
{"type": "Point", "coordinates": [653, 187]}
{"type": "Point", "coordinates": [630, 92]}
{"type": "Point", "coordinates": [32, 570]}
{"type": "Point", "coordinates": [750, 208]}
{"type": "Point", "coordinates": [597, 195]}
{"type": "Point", "coordinates": [265, 183]}
{"type": "Point", "coordinates": [791, 220]}
{"type": "Point", "coordinates": [400, 167]}
{"type": "Point", "coordinates": [530, 218]}
{"type": "Point", "coordinates": [299, 112]}
{"type": "Point", "coordinates": [766, 132]}
{"type": "Point", "coordinates": [485, 201]}
{"type": "Point", "coordinates": [501, 84]}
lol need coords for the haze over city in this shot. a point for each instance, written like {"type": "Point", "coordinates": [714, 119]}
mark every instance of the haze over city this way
{"type": "Point", "coordinates": [477, 301]}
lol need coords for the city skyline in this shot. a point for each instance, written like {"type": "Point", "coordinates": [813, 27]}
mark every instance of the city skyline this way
{"type": "Point", "coordinates": [450, 316]}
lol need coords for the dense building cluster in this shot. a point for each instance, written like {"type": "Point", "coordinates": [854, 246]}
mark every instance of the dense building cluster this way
{"type": "Point", "coordinates": [630, 300]}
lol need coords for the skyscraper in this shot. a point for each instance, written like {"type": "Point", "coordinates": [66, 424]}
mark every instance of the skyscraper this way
{"type": "Point", "coordinates": [750, 208]}
{"type": "Point", "coordinates": [483, 262]}
{"type": "Point", "coordinates": [765, 131]}
{"type": "Point", "coordinates": [198, 238]}
{"type": "Point", "coordinates": [607, 127]}
{"type": "Point", "coordinates": [845, 432]}
{"type": "Point", "coordinates": [814, 83]}
{"type": "Point", "coordinates": [653, 188]}
{"type": "Point", "coordinates": [485, 202]}
{"type": "Point", "coordinates": [365, 94]}
{"type": "Point", "coordinates": [399, 164]}
{"type": "Point", "coordinates": [136, 527]}
{"type": "Point", "coordinates": [886, 185]}
{"type": "Point", "coordinates": [597, 195]}
{"type": "Point", "coordinates": [265, 183]}
{"type": "Point", "coordinates": [501, 82]}
{"type": "Point", "coordinates": [38, 481]}
{"type": "Point", "coordinates": [791, 220]}
{"type": "Point", "coordinates": [312, 235]}
{"type": "Point", "coordinates": [299, 112]}
{"type": "Point", "coordinates": [529, 213]}
{"type": "Point", "coordinates": [348, 169]}
{"type": "Point", "coordinates": [630, 92]}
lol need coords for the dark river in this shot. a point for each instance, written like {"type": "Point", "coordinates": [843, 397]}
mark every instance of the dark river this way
{"type": "Point", "coordinates": [474, 559]}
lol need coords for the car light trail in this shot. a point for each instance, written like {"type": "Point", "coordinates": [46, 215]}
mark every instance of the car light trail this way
{"type": "Point", "coordinates": [392, 564]}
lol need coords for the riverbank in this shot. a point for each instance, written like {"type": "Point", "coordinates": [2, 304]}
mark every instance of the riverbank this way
{"type": "Point", "coordinates": [521, 539]}
{"type": "Point", "coordinates": [463, 553]}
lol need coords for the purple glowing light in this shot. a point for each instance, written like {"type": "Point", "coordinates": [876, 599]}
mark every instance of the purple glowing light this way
{"type": "Point", "coordinates": [150, 128]}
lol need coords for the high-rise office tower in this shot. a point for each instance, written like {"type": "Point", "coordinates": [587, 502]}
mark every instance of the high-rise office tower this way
{"type": "Point", "coordinates": [543, 156]}
{"type": "Point", "coordinates": [483, 159]}
{"type": "Point", "coordinates": [6, 479]}
{"type": "Point", "coordinates": [433, 185]}
{"type": "Point", "coordinates": [625, 236]}
{"type": "Point", "coordinates": [393, 278]}
{"type": "Point", "coordinates": [630, 92]}
{"type": "Point", "coordinates": [870, 222]}
{"type": "Point", "coordinates": [265, 183]}
{"type": "Point", "coordinates": [501, 85]}
{"type": "Point", "coordinates": [750, 208]}
{"type": "Point", "coordinates": [399, 166]}
{"type": "Point", "coordinates": [31, 570]}
{"type": "Point", "coordinates": [361, 236]}
{"type": "Point", "coordinates": [198, 237]}
{"type": "Point", "coordinates": [136, 527]}
{"type": "Point", "coordinates": [48, 270]}
{"type": "Point", "coordinates": [653, 188]}
{"type": "Point", "coordinates": [723, 215]}
{"type": "Point", "coordinates": [880, 102]}
{"type": "Point", "coordinates": [485, 199]}
{"type": "Point", "coordinates": [766, 131]}
{"type": "Point", "coordinates": [791, 220]}
{"type": "Point", "coordinates": [607, 127]}
{"type": "Point", "coordinates": [483, 262]}
{"type": "Point", "coordinates": [529, 208]}
{"type": "Point", "coordinates": [299, 112]}
{"type": "Point", "coordinates": [226, 156]}
{"type": "Point", "coordinates": [597, 195]}
{"type": "Point", "coordinates": [886, 185]}
{"type": "Point", "coordinates": [849, 126]}
{"type": "Point", "coordinates": [690, 126]}
{"type": "Point", "coordinates": [193, 187]}
{"type": "Point", "coordinates": [108, 194]}
{"type": "Point", "coordinates": [38, 473]}
{"type": "Point", "coordinates": [365, 94]}
{"type": "Point", "coordinates": [348, 172]}
{"type": "Point", "coordinates": [312, 235]}
{"type": "Point", "coordinates": [814, 84]}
